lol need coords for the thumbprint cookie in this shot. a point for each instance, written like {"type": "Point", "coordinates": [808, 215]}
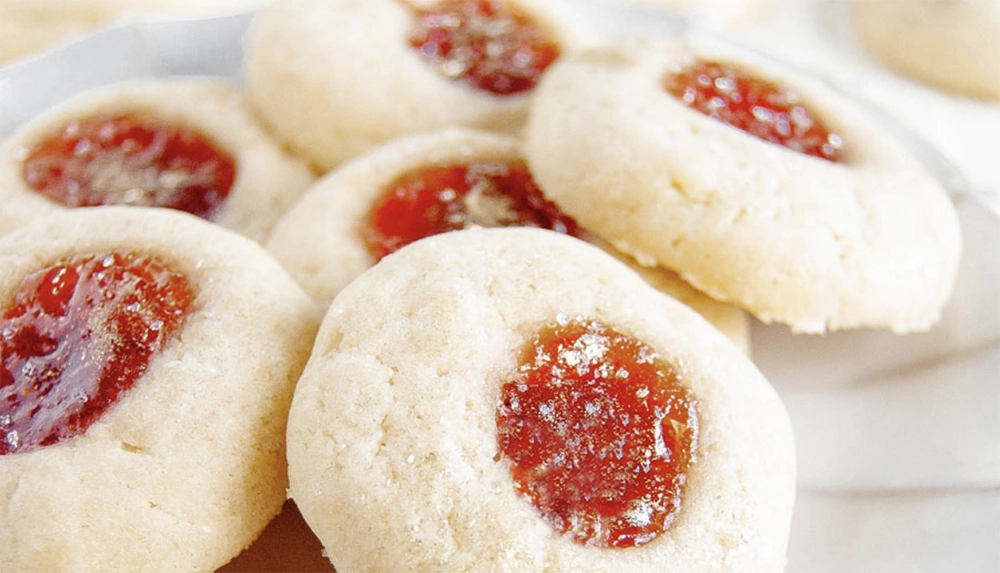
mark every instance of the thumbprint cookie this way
{"type": "Point", "coordinates": [514, 399]}
{"type": "Point", "coordinates": [185, 144]}
{"type": "Point", "coordinates": [334, 78]}
{"type": "Point", "coordinates": [148, 364]}
{"type": "Point", "coordinates": [758, 186]}
{"type": "Point", "coordinates": [426, 184]}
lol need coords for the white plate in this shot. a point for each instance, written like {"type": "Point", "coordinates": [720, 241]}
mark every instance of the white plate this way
{"type": "Point", "coordinates": [898, 437]}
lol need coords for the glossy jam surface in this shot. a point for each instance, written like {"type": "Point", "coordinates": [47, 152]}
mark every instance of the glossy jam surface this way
{"type": "Point", "coordinates": [438, 199]}
{"type": "Point", "coordinates": [754, 105]}
{"type": "Point", "coordinates": [600, 433]}
{"type": "Point", "coordinates": [76, 336]}
{"type": "Point", "coordinates": [128, 160]}
{"type": "Point", "coordinates": [487, 44]}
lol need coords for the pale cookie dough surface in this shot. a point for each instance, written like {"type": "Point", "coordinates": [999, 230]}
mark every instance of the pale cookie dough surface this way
{"type": "Point", "coordinates": [392, 435]}
{"type": "Point", "coordinates": [873, 241]}
{"type": "Point", "coordinates": [189, 466]}
{"type": "Point", "coordinates": [728, 13]}
{"type": "Point", "coordinates": [952, 44]}
{"type": "Point", "coordinates": [334, 78]}
{"type": "Point", "coordinates": [267, 180]}
{"type": "Point", "coordinates": [29, 26]}
{"type": "Point", "coordinates": [320, 240]}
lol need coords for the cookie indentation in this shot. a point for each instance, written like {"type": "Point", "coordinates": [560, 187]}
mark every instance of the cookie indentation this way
{"type": "Point", "coordinates": [600, 432]}
{"type": "Point", "coordinates": [754, 105]}
{"type": "Point", "coordinates": [486, 44]}
{"type": "Point", "coordinates": [77, 336]}
{"type": "Point", "coordinates": [437, 199]}
{"type": "Point", "coordinates": [129, 160]}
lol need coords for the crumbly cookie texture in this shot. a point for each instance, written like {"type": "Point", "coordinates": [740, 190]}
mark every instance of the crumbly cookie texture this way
{"type": "Point", "coordinates": [334, 78]}
{"type": "Point", "coordinates": [728, 13]}
{"type": "Point", "coordinates": [952, 44]}
{"type": "Point", "coordinates": [268, 180]}
{"type": "Point", "coordinates": [30, 26]}
{"type": "Point", "coordinates": [189, 466]}
{"type": "Point", "coordinates": [392, 439]}
{"type": "Point", "coordinates": [319, 241]}
{"type": "Point", "coordinates": [872, 241]}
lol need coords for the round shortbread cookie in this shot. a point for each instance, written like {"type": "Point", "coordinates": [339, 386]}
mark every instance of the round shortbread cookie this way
{"type": "Point", "coordinates": [187, 467]}
{"type": "Point", "coordinates": [871, 240]}
{"type": "Point", "coordinates": [267, 180]}
{"type": "Point", "coordinates": [335, 78]}
{"type": "Point", "coordinates": [321, 240]}
{"type": "Point", "coordinates": [393, 434]}
{"type": "Point", "coordinates": [29, 26]}
{"type": "Point", "coordinates": [952, 44]}
{"type": "Point", "coordinates": [729, 13]}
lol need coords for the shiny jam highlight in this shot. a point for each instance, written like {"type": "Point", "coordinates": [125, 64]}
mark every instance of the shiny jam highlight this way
{"type": "Point", "coordinates": [600, 433]}
{"type": "Point", "coordinates": [129, 160]}
{"type": "Point", "coordinates": [487, 44]}
{"type": "Point", "coordinates": [755, 106]}
{"type": "Point", "coordinates": [437, 199]}
{"type": "Point", "coordinates": [76, 336]}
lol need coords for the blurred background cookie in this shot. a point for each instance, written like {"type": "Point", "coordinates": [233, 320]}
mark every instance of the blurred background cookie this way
{"type": "Point", "coordinates": [951, 44]}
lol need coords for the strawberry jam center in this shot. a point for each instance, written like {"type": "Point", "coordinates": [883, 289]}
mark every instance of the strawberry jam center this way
{"type": "Point", "coordinates": [487, 44]}
{"type": "Point", "coordinates": [754, 105]}
{"type": "Point", "coordinates": [126, 160]}
{"type": "Point", "coordinates": [600, 434]}
{"type": "Point", "coordinates": [438, 199]}
{"type": "Point", "coordinates": [76, 336]}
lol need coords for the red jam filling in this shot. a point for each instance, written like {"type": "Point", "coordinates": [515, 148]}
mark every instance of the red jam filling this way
{"type": "Point", "coordinates": [128, 160]}
{"type": "Point", "coordinates": [76, 337]}
{"type": "Point", "coordinates": [487, 44]}
{"type": "Point", "coordinates": [438, 199]}
{"type": "Point", "coordinates": [754, 105]}
{"type": "Point", "coordinates": [600, 433]}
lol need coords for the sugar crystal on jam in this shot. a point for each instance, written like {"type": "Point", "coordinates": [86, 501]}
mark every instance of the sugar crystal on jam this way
{"type": "Point", "coordinates": [129, 160]}
{"type": "Point", "coordinates": [76, 336]}
{"type": "Point", "coordinates": [487, 44]}
{"type": "Point", "coordinates": [599, 432]}
{"type": "Point", "coordinates": [757, 106]}
{"type": "Point", "coordinates": [441, 198]}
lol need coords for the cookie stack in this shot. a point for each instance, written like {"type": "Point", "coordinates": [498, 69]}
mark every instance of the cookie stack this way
{"type": "Point", "coordinates": [535, 258]}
